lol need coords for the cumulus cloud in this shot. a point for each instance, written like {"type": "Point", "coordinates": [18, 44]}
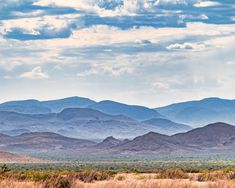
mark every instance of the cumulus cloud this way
{"type": "Point", "coordinates": [120, 7]}
{"type": "Point", "coordinates": [186, 46]}
{"type": "Point", "coordinates": [35, 73]}
{"type": "Point", "coordinates": [126, 7]}
{"type": "Point", "coordinates": [38, 27]}
{"type": "Point", "coordinates": [206, 4]}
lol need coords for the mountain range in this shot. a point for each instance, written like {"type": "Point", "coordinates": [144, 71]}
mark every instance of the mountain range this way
{"type": "Point", "coordinates": [84, 118]}
{"type": "Point", "coordinates": [212, 136]}
{"type": "Point", "coordinates": [196, 113]}
{"type": "Point", "coordinates": [75, 122]}
{"type": "Point", "coordinates": [56, 106]}
{"type": "Point", "coordinates": [218, 136]}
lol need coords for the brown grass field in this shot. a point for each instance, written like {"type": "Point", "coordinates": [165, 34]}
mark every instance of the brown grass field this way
{"type": "Point", "coordinates": [95, 179]}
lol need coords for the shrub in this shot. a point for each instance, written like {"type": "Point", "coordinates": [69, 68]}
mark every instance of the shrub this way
{"type": "Point", "coordinates": [58, 182]}
{"type": "Point", "coordinates": [120, 178]}
{"type": "Point", "coordinates": [230, 175]}
{"type": "Point", "coordinates": [91, 176]}
{"type": "Point", "coordinates": [4, 169]}
{"type": "Point", "coordinates": [212, 176]}
{"type": "Point", "coordinates": [173, 174]}
{"type": "Point", "coordinates": [37, 176]}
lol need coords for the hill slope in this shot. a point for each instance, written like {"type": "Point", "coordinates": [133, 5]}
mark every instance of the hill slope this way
{"type": "Point", "coordinates": [6, 157]}
{"type": "Point", "coordinates": [218, 136]}
{"type": "Point", "coordinates": [211, 136]}
{"type": "Point", "coordinates": [132, 111]}
{"type": "Point", "coordinates": [74, 122]}
{"type": "Point", "coordinates": [167, 127]}
{"type": "Point", "coordinates": [201, 112]}
{"type": "Point", "coordinates": [41, 141]}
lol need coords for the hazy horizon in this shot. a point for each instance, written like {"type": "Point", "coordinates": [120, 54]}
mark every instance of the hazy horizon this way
{"type": "Point", "coordinates": [99, 100]}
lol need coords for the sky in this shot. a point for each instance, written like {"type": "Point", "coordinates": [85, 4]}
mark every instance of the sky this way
{"type": "Point", "coordinates": [146, 52]}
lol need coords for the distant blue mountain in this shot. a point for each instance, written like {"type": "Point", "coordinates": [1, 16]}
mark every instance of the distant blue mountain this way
{"type": "Point", "coordinates": [133, 111]}
{"type": "Point", "coordinates": [55, 106]}
{"type": "Point", "coordinates": [26, 107]}
{"type": "Point", "coordinates": [44, 107]}
{"type": "Point", "coordinates": [71, 102]}
{"type": "Point", "coordinates": [165, 126]}
{"type": "Point", "coordinates": [74, 122]}
{"type": "Point", "coordinates": [202, 112]}
{"type": "Point", "coordinates": [193, 113]}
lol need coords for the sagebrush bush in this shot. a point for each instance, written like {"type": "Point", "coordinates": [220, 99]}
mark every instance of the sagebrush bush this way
{"type": "Point", "coordinates": [120, 178]}
{"type": "Point", "coordinates": [212, 176]}
{"type": "Point", "coordinates": [58, 182]}
{"type": "Point", "coordinates": [91, 176]}
{"type": "Point", "coordinates": [173, 174]}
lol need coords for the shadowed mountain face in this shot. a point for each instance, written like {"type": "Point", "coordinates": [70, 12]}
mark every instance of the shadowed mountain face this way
{"type": "Point", "coordinates": [132, 111]}
{"type": "Point", "coordinates": [109, 142]}
{"type": "Point", "coordinates": [75, 122]}
{"type": "Point", "coordinates": [149, 142]}
{"type": "Point", "coordinates": [201, 112]}
{"type": "Point", "coordinates": [168, 127]}
{"type": "Point", "coordinates": [41, 142]}
{"type": "Point", "coordinates": [214, 136]}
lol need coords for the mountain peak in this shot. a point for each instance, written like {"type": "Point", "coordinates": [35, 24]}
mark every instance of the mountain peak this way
{"type": "Point", "coordinates": [219, 124]}
{"type": "Point", "coordinates": [109, 142]}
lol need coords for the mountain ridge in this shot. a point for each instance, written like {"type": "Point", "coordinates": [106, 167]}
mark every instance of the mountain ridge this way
{"type": "Point", "coordinates": [199, 112]}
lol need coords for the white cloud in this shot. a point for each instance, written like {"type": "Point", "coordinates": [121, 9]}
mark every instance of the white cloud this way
{"type": "Point", "coordinates": [34, 24]}
{"type": "Point", "coordinates": [206, 4]}
{"type": "Point", "coordinates": [107, 35]}
{"type": "Point", "coordinates": [159, 2]}
{"type": "Point", "coordinates": [36, 73]}
{"type": "Point", "coordinates": [129, 7]}
{"type": "Point", "coordinates": [161, 85]}
{"type": "Point", "coordinates": [187, 46]}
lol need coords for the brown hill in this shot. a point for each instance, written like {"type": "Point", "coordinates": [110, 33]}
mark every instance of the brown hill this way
{"type": "Point", "coordinates": [6, 157]}
{"type": "Point", "coordinates": [210, 136]}
{"type": "Point", "coordinates": [214, 136]}
{"type": "Point", "coordinates": [43, 141]}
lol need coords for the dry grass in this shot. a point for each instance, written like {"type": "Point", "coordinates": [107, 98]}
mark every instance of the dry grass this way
{"type": "Point", "coordinates": [151, 183]}
{"type": "Point", "coordinates": [17, 184]}
{"type": "Point", "coordinates": [169, 179]}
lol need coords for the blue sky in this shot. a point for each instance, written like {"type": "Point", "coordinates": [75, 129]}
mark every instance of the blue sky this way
{"type": "Point", "coordinates": [147, 52]}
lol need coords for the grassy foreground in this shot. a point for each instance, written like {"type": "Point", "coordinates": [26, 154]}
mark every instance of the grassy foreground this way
{"type": "Point", "coordinates": [169, 178]}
